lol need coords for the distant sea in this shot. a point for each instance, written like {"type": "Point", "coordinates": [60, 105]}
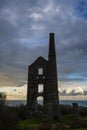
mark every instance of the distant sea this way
{"type": "Point", "coordinates": [65, 102]}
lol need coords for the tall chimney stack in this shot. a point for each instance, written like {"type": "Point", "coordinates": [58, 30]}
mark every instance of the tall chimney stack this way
{"type": "Point", "coordinates": [52, 81]}
{"type": "Point", "coordinates": [52, 52]}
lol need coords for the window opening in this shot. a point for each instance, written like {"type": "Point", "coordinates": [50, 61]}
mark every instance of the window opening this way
{"type": "Point", "coordinates": [40, 88]}
{"type": "Point", "coordinates": [40, 100]}
{"type": "Point", "coordinates": [40, 71]}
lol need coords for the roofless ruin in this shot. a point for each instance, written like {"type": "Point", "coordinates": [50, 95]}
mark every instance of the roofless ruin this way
{"type": "Point", "coordinates": [42, 74]}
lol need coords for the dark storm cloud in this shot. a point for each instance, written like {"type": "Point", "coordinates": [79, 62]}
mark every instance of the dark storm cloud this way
{"type": "Point", "coordinates": [24, 29]}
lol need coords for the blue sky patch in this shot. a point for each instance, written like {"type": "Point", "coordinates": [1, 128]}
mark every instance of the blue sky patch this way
{"type": "Point", "coordinates": [39, 41]}
{"type": "Point", "coordinates": [81, 9]}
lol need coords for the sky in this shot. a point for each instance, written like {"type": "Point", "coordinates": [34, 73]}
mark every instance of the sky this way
{"type": "Point", "coordinates": [24, 35]}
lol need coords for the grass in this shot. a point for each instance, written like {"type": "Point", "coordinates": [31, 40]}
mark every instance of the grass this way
{"type": "Point", "coordinates": [37, 122]}
{"type": "Point", "coordinates": [83, 118]}
{"type": "Point", "coordinates": [80, 129]}
{"type": "Point", "coordinates": [70, 118]}
{"type": "Point", "coordinates": [29, 123]}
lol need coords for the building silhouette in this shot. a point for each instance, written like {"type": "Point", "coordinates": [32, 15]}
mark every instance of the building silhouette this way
{"type": "Point", "coordinates": [42, 78]}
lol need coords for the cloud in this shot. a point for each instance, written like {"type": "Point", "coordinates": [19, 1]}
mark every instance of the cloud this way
{"type": "Point", "coordinates": [24, 29]}
{"type": "Point", "coordinates": [72, 91]}
{"type": "Point", "coordinates": [15, 92]}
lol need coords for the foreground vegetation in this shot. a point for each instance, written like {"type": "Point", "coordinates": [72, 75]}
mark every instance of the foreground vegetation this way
{"type": "Point", "coordinates": [15, 118]}
{"type": "Point", "coordinates": [80, 129]}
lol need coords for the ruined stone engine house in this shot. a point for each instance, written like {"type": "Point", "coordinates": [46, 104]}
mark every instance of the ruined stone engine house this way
{"type": "Point", "coordinates": [42, 74]}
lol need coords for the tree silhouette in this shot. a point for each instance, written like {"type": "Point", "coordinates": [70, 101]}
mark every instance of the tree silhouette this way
{"type": "Point", "coordinates": [2, 99]}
